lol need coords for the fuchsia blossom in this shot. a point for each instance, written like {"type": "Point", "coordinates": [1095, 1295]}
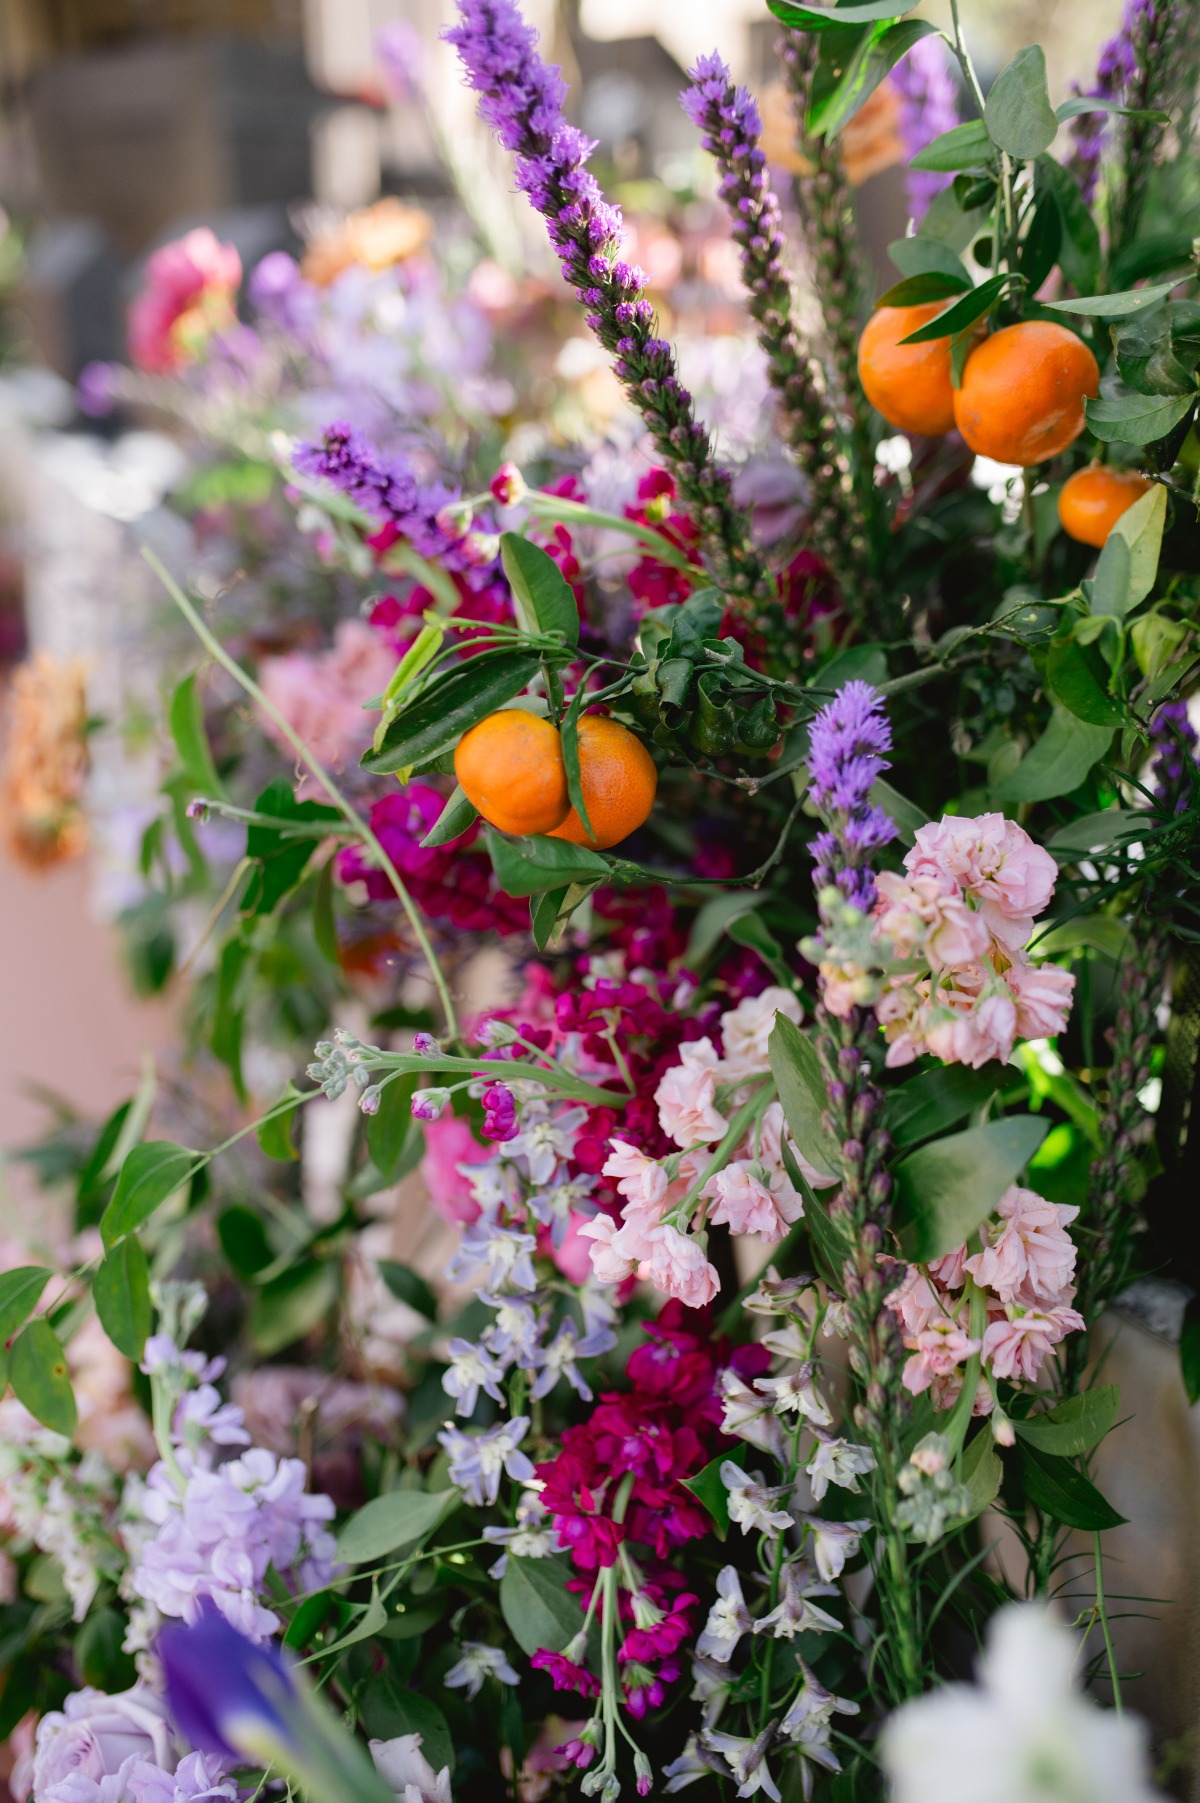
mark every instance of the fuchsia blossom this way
{"type": "Point", "coordinates": [188, 295]}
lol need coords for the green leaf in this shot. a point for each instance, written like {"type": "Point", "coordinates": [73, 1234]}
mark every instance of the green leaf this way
{"type": "Point", "coordinates": [876, 57]}
{"type": "Point", "coordinates": [121, 1292]}
{"type": "Point", "coordinates": [151, 1174]}
{"type": "Point", "coordinates": [324, 918]}
{"type": "Point", "coordinates": [37, 1371]}
{"type": "Point", "coordinates": [801, 1085]}
{"type": "Point", "coordinates": [1078, 677]}
{"type": "Point", "coordinates": [391, 1127]}
{"type": "Point", "coordinates": [99, 1654]}
{"type": "Point", "coordinates": [544, 911]}
{"type": "Point", "coordinates": [1113, 306]}
{"type": "Point", "coordinates": [1189, 1350]}
{"type": "Point", "coordinates": [908, 816]}
{"type": "Point", "coordinates": [542, 596]}
{"type": "Point", "coordinates": [1137, 536]}
{"type": "Point", "coordinates": [1130, 418]}
{"type": "Point", "coordinates": [926, 256]}
{"type": "Point", "coordinates": [1055, 1487]}
{"type": "Point", "coordinates": [752, 931]}
{"type": "Point", "coordinates": [20, 1291]}
{"type": "Point", "coordinates": [914, 290]}
{"type": "Point", "coordinates": [1075, 1426]}
{"type": "Point", "coordinates": [857, 12]}
{"type": "Point", "coordinates": [981, 1471]}
{"type": "Point", "coordinates": [1079, 248]}
{"type": "Point", "coordinates": [453, 821]}
{"type": "Point", "coordinates": [449, 707]}
{"type": "Point", "coordinates": [1157, 352]}
{"type": "Point", "coordinates": [402, 1712]}
{"type": "Point", "coordinates": [947, 1188]}
{"type": "Point", "coordinates": [292, 1304]}
{"type": "Point", "coordinates": [936, 1099]}
{"type": "Point", "coordinates": [962, 147]}
{"type": "Point", "coordinates": [186, 720]}
{"type": "Point", "coordinates": [1059, 761]}
{"type": "Point", "coordinates": [962, 313]}
{"type": "Point", "coordinates": [407, 1287]}
{"type": "Point", "coordinates": [711, 1491]}
{"type": "Point", "coordinates": [570, 756]}
{"type": "Point", "coordinates": [388, 1522]}
{"type": "Point", "coordinates": [536, 1604]}
{"type": "Point", "coordinates": [713, 919]}
{"type": "Point", "coordinates": [1094, 103]}
{"type": "Point", "coordinates": [1017, 112]}
{"type": "Point", "coordinates": [275, 1131]}
{"type": "Point", "coordinates": [373, 1618]}
{"type": "Point", "coordinates": [1109, 590]}
{"type": "Point", "coordinates": [528, 866]}
{"type": "Point", "coordinates": [282, 857]}
{"type": "Point", "coordinates": [244, 1241]}
{"type": "Point", "coordinates": [1040, 242]}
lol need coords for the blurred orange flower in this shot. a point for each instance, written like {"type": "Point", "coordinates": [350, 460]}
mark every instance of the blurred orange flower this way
{"type": "Point", "coordinates": [374, 238]}
{"type": "Point", "coordinates": [45, 762]}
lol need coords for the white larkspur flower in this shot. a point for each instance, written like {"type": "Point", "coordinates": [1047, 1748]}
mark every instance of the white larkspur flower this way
{"type": "Point", "coordinates": [1024, 1731]}
{"type": "Point", "coordinates": [795, 1613]}
{"type": "Point", "coordinates": [747, 1761]}
{"type": "Point", "coordinates": [832, 1543]}
{"type": "Point", "coordinates": [836, 1461]}
{"type": "Point", "coordinates": [810, 1715]}
{"type": "Point", "coordinates": [472, 1368]}
{"type": "Point", "coordinates": [477, 1461]}
{"type": "Point", "coordinates": [558, 1360]}
{"type": "Point", "coordinates": [795, 1393]}
{"type": "Point", "coordinates": [747, 1415]}
{"type": "Point", "coordinates": [479, 1661]}
{"type": "Point", "coordinates": [545, 1140]}
{"type": "Point", "coordinates": [532, 1537]}
{"type": "Point", "coordinates": [728, 1619]}
{"type": "Point", "coordinates": [750, 1502]}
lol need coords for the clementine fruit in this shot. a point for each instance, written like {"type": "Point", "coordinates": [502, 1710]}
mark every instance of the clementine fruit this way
{"type": "Point", "coordinates": [908, 383]}
{"type": "Point", "coordinates": [618, 778]}
{"type": "Point", "coordinates": [1022, 393]}
{"type": "Point", "coordinates": [510, 767]}
{"type": "Point", "coordinates": [1093, 500]}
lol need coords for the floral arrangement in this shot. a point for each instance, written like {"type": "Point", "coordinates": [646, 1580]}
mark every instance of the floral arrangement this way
{"type": "Point", "coordinates": [835, 1084]}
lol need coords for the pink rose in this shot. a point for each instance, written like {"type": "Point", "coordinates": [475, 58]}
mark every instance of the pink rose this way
{"type": "Point", "coordinates": [1031, 1258]}
{"type": "Point", "coordinates": [687, 1112]}
{"type": "Point", "coordinates": [1043, 994]}
{"type": "Point", "coordinates": [449, 1145]}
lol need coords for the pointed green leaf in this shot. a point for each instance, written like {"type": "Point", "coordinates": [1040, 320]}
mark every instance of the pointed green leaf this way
{"type": "Point", "coordinates": [1017, 112]}
{"type": "Point", "coordinates": [948, 1188]}
{"type": "Point", "coordinates": [453, 821]}
{"type": "Point", "coordinates": [529, 866]}
{"type": "Point", "coordinates": [186, 720]}
{"type": "Point", "coordinates": [1059, 761]}
{"type": "Point", "coordinates": [121, 1292]}
{"type": "Point", "coordinates": [37, 1371]}
{"type": "Point", "coordinates": [879, 52]}
{"type": "Point", "coordinates": [962, 147]}
{"type": "Point", "coordinates": [1139, 533]}
{"type": "Point", "coordinates": [1062, 1492]}
{"type": "Point", "coordinates": [275, 1132]}
{"type": "Point", "coordinates": [391, 1127]}
{"type": "Point", "coordinates": [20, 1290]}
{"type": "Point", "coordinates": [982, 1471]}
{"type": "Point", "coordinates": [915, 290]}
{"type": "Point", "coordinates": [395, 1519]}
{"type": "Point", "coordinates": [544, 599]}
{"type": "Point", "coordinates": [150, 1174]}
{"type": "Point", "coordinates": [962, 313]}
{"type": "Point", "coordinates": [801, 1085]}
{"type": "Point", "coordinates": [536, 1604]}
{"type": "Point", "coordinates": [1078, 677]}
{"type": "Point", "coordinates": [857, 12]}
{"type": "Point", "coordinates": [449, 707]}
{"type": "Point", "coordinates": [1114, 306]}
{"type": "Point", "coordinates": [937, 1099]}
{"type": "Point", "coordinates": [1074, 1426]}
{"type": "Point", "coordinates": [1130, 418]}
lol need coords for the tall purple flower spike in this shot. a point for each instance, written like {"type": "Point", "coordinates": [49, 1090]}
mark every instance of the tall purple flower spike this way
{"type": "Point", "coordinates": [521, 98]}
{"type": "Point", "coordinates": [928, 107]}
{"type": "Point", "coordinates": [1174, 771]}
{"type": "Point", "coordinates": [1143, 22]}
{"type": "Point", "coordinates": [847, 745]}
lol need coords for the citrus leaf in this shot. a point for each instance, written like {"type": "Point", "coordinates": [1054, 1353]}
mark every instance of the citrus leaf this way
{"type": "Point", "coordinates": [453, 821]}
{"type": "Point", "coordinates": [1130, 418]}
{"type": "Point", "coordinates": [1017, 112]}
{"type": "Point", "coordinates": [875, 58]}
{"type": "Point", "coordinates": [1077, 676]}
{"type": "Point", "coordinates": [151, 1174]}
{"type": "Point", "coordinates": [37, 1371]}
{"type": "Point", "coordinates": [857, 12]}
{"type": "Point", "coordinates": [449, 707]}
{"type": "Point", "coordinates": [121, 1292]}
{"type": "Point", "coordinates": [1059, 761]}
{"type": "Point", "coordinates": [542, 596]}
{"type": "Point", "coordinates": [528, 866]}
{"type": "Point", "coordinates": [947, 1188]}
{"type": "Point", "coordinates": [962, 147]}
{"type": "Point", "coordinates": [962, 313]}
{"type": "Point", "coordinates": [1113, 306]}
{"type": "Point", "coordinates": [914, 290]}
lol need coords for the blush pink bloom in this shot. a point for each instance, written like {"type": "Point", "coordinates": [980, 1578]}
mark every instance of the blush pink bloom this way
{"type": "Point", "coordinates": [745, 1203]}
{"type": "Point", "coordinates": [1030, 1258]}
{"type": "Point", "coordinates": [321, 696]}
{"type": "Point", "coordinates": [687, 1112]}
{"type": "Point", "coordinates": [950, 1268]}
{"type": "Point", "coordinates": [1043, 994]}
{"type": "Point", "coordinates": [937, 1352]}
{"type": "Point", "coordinates": [678, 1267]}
{"type": "Point", "coordinates": [641, 1180]}
{"type": "Point", "coordinates": [769, 1147]}
{"type": "Point", "coordinates": [972, 1029]}
{"type": "Point", "coordinates": [928, 914]}
{"type": "Point", "coordinates": [746, 1030]}
{"type": "Point", "coordinates": [1016, 1346]}
{"type": "Point", "coordinates": [915, 1302]}
{"type": "Point", "coordinates": [610, 1262]}
{"type": "Point", "coordinates": [996, 862]}
{"type": "Point", "coordinates": [188, 293]}
{"type": "Point", "coordinates": [574, 1257]}
{"type": "Point", "coordinates": [450, 1144]}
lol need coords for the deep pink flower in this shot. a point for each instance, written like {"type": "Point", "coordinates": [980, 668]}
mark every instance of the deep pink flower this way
{"type": "Point", "coordinates": [187, 295]}
{"type": "Point", "coordinates": [564, 1675]}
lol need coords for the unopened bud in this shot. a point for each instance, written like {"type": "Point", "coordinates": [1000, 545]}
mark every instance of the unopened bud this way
{"type": "Point", "coordinates": [508, 485]}
{"type": "Point", "coordinates": [426, 1046]}
{"type": "Point", "coordinates": [197, 810]}
{"type": "Point", "coordinates": [455, 519]}
{"type": "Point", "coordinates": [370, 1099]}
{"type": "Point", "coordinates": [429, 1104]}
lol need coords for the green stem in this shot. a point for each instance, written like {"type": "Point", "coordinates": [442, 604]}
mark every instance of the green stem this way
{"type": "Point", "coordinates": [1102, 1616]}
{"type": "Point", "coordinates": [351, 815]}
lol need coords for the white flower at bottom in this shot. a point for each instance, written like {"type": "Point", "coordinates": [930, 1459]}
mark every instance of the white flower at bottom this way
{"type": "Point", "coordinates": [750, 1501]}
{"type": "Point", "coordinates": [402, 1765]}
{"type": "Point", "coordinates": [1024, 1731]}
{"type": "Point", "coordinates": [747, 1760]}
{"type": "Point", "coordinates": [728, 1619]}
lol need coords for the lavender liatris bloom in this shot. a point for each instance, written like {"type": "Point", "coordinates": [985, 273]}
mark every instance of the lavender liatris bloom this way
{"type": "Point", "coordinates": [1174, 771]}
{"type": "Point", "coordinates": [521, 98]}
{"type": "Point", "coordinates": [1133, 70]}
{"type": "Point", "coordinates": [928, 107]}
{"type": "Point", "coordinates": [729, 118]}
{"type": "Point", "coordinates": [847, 745]}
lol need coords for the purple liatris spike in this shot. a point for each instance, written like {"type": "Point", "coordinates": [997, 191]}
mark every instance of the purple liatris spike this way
{"type": "Point", "coordinates": [848, 741]}
{"type": "Point", "coordinates": [1116, 71]}
{"type": "Point", "coordinates": [928, 107]}
{"type": "Point", "coordinates": [1175, 767]}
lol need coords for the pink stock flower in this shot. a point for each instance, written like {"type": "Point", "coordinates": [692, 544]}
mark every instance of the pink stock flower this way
{"type": "Point", "coordinates": [996, 863]}
{"type": "Point", "coordinates": [449, 1145]}
{"type": "Point", "coordinates": [610, 1262]}
{"type": "Point", "coordinates": [915, 1302]}
{"type": "Point", "coordinates": [1030, 1258]}
{"type": "Point", "coordinates": [641, 1180]}
{"type": "Point", "coordinates": [188, 294]}
{"type": "Point", "coordinates": [973, 1029]}
{"type": "Point", "coordinates": [673, 1262]}
{"type": "Point", "coordinates": [746, 1030]}
{"type": "Point", "coordinates": [687, 1111]}
{"type": "Point", "coordinates": [321, 694]}
{"type": "Point", "coordinates": [746, 1203]}
{"type": "Point", "coordinates": [937, 1351]}
{"type": "Point", "coordinates": [1015, 1346]}
{"type": "Point", "coordinates": [1043, 994]}
{"type": "Point", "coordinates": [927, 913]}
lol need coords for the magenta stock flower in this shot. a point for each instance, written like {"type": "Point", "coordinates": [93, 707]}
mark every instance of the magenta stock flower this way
{"type": "Point", "coordinates": [188, 294]}
{"type": "Point", "coordinates": [564, 1674]}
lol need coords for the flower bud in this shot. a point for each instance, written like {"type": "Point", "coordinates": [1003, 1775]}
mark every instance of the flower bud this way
{"type": "Point", "coordinates": [426, 1046]}
{"type": "Point", "coordinates": [508, 485]}
{"type": "Point", "coordinates": [197, 810]}
{"type": "Point", "coordinates": [370, 1099]}
{"type": "Point", "coordinates": [429, 1104]}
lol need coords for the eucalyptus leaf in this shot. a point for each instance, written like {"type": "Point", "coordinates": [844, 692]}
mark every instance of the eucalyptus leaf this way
{"type": "Point", "coordinates": [948, 1188]}
{"type": "Point", "coordinates": [1058, 762]}
{"type": "Point", "coordinates": [1017, 112]}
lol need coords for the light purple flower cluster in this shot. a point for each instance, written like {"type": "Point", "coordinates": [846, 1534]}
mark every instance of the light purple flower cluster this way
{"type": "Point", "coordinates": [521, 98]}
{"type": "Point", "coordinates": [928, 107]}
{"type": "Point", "coordinates": [388, 490]}
{"type": "Point", "coordinates": [847, 744]}
{"type": "Point", "coordinates": [1175, 768]}
{"type": "Point", "coordinates": [117, 1749]}
{"type": "Point", "coordinates": [1115, 73]}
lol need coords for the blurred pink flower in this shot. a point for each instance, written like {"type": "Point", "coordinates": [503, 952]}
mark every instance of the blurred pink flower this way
{"type": "Point", "coordinates": [188, 294]}
{"type": "Point", "coordinates": [449, 1143]}
{"type": "Point", "coordinates": [321, 694]}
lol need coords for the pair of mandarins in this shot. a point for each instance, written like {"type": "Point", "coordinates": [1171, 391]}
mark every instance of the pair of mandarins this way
{"type": "Point", "coordinates": [1020, 401]}
{"type": "Point", "coordinates": [510, 767]}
